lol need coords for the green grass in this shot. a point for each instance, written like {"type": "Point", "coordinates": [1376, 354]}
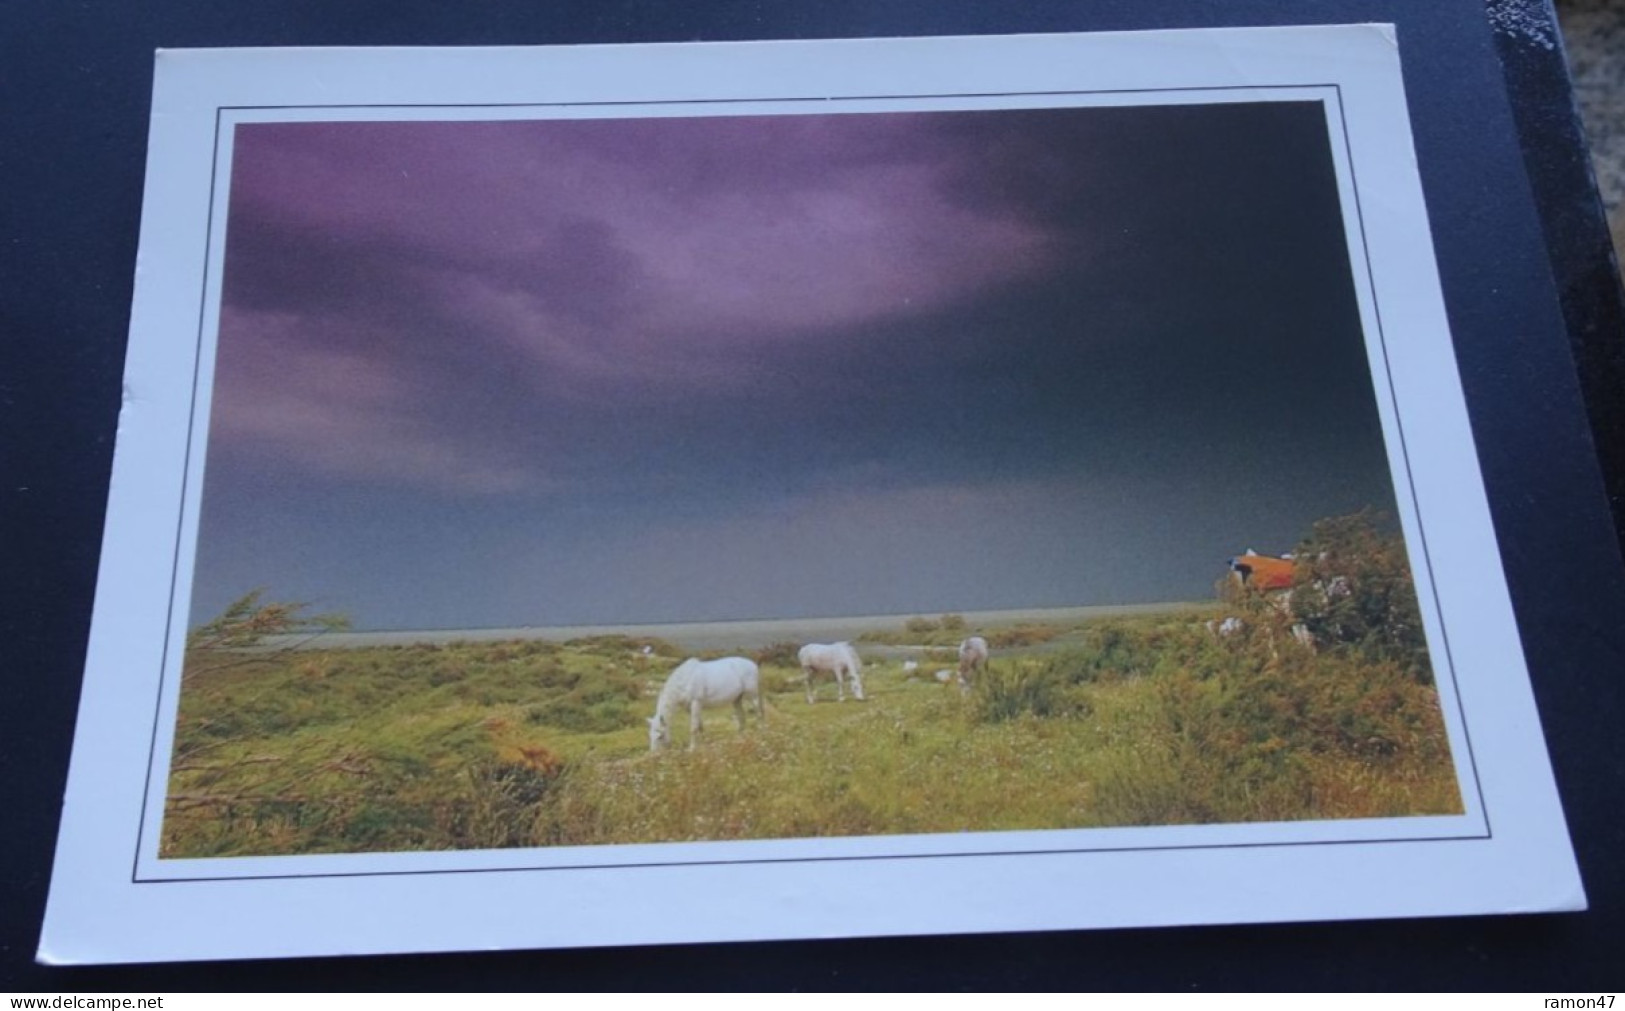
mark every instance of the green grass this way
{"type": "Point", "coordinates": [474, 745]}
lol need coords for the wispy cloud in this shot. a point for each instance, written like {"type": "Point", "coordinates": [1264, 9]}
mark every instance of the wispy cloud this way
{"type": "Point", "coordinates": [341, 413]}
{"type": "Point", "coordinates": [388, 267]}
{"type": "Point", "coordinates": [599, 370]}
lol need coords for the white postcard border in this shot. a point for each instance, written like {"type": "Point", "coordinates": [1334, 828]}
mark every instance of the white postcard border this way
{"type": "Point", "coordinates": [104, 909]}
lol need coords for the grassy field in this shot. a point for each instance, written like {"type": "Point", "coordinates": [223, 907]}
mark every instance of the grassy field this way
{"type": "Point", "coordinates": [1128, 721]}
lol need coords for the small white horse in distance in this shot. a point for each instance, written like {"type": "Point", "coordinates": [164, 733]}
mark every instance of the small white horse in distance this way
{"type": "Point", "coordinates": [836, 658]}
{"type": "Point", "coordinates": [701, 683]}
{"type": "Point", "coordinates": [972, 660]}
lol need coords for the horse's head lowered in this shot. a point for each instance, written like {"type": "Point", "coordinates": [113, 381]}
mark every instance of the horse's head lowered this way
{"type": "Point", "coordinates": [659, 732]}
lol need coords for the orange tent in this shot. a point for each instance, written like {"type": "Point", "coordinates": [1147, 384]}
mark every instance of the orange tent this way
{"type": "Point", "coordinates": [1262, 572]}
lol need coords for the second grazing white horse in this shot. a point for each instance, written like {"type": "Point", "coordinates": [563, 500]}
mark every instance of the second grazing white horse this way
{"type": "Point", "coordinates": [701, 683]}
{"type": "Point", "coordinates": [972, 659]}
{"type": "Point", "coordinates": [836, 658]}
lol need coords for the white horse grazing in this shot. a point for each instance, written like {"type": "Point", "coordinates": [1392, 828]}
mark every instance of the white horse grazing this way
{"type": "Point", "coordinates": [838, 659]}
{"type": "Point", "coordinates": [972, 659]}
{"type": "Point", "coordinates": [700, 683]}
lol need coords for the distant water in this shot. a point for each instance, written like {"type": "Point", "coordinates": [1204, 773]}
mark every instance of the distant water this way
{"type": "Point", "coordinates": [718, 635]}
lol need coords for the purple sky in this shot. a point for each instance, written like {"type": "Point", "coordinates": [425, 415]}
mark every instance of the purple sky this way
{"type": "Point", "coordinates": [643, 262]}
{"type": "Point", "coordinates": [547, 372]}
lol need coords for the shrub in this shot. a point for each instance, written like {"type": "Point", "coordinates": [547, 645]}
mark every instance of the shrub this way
{"type": "Point", "coordinates": [238, 636]}
{"type": "Point", "coordinates": [1339, 704]}
{"type": "Point", "coordinates": [1119, 650]}
{"type": "Point", "coordinates": [1007, 691]}
{"type": "Point", "coordinates": [1353, 590]}
{"type": "Point", "coordinates": [778, 654]}
{"type": "Point", "coordinates": [501, 804]}
{"type": "Point", "coordinates": [448, 673]}
{"type": "Point", "coordinates": [1020, 635]}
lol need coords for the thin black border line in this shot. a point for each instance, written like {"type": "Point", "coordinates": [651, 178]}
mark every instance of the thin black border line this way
{"type": "Point", "coordinates": [1388, 373]}
{"type": "Point", "coordinates": [1410, 478]}
{"type": "Point", "coordinates": [864, 857]}
{"type": "Point", "coordinates": [180, 519]}
{"type": "Point", "coordinates": [811, 99]}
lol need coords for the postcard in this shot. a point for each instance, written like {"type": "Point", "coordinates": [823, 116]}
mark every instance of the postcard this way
{"type": "Point", "coordinates": [675, 493]}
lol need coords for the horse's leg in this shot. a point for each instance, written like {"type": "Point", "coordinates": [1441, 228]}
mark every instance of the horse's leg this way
{"type": "Point", "coordinates": [739, 712]}
{"type": "Point", "coordinates": [840, 683]}
{"type": "Point", "coordinates": [694, 725]}
{"type": "Point", "coordinates": [806, 672]}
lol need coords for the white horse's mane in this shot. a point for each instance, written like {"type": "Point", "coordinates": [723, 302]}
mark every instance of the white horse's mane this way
{"type": "Point", "coordinates": [677, 684]}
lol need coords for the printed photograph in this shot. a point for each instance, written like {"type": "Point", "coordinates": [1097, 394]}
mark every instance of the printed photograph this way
{"type": "Point", "coordinates": [720, 477]}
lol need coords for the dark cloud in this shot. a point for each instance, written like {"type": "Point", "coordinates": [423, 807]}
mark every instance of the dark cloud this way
{"type": "Point", "coordinates": [589, 339]}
